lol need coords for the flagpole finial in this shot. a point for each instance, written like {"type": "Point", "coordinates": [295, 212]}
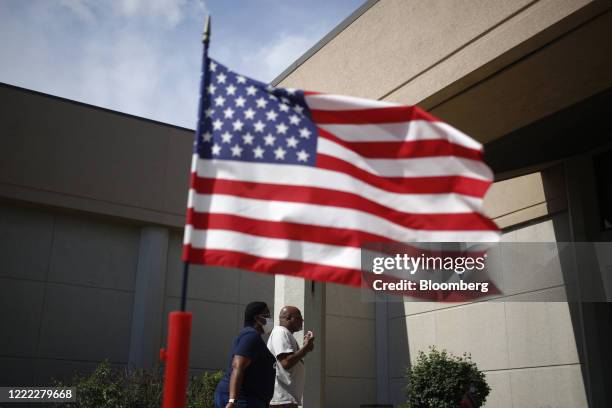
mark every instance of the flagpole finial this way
{"type": "Point", "coordinates": [206, 33]}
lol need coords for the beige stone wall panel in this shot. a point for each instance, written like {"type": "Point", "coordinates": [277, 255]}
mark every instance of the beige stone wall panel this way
{"type": "Point", "coordinates": [394, 41]}
{"type": "Point", "coordinates": [570, 69]}
{"type": "Point", "coordinates": [340, 354]}
{"type": "Point", "coordinates": [559, 387]}
{"type": "Point", "coordinates": [540, 334]}
{"type": "Point", "coordinates": [528, 29]}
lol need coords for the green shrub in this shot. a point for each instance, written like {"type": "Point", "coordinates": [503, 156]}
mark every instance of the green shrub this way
{"type": "Point", "coordinates": [122, 388]}
{"type": "Point", "coordinates": [440, 380]}
{"type": "Point", "coordinates": [201, 392]}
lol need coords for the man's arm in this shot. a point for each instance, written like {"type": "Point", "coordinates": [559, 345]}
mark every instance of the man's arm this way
{"type": "Point", "coordinates": [288, 360]}
{"type": "Point", "coordinates": [239, 364]}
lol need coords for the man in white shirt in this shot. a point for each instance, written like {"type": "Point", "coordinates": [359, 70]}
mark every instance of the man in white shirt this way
{"type": "Point", "coordinates": [289, 384]}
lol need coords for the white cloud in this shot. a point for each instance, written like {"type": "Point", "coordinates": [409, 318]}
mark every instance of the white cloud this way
{"type": "Point", "coordinates": [141, 57]}
{"type": "Point", "coordinates": [268, 61]}
{"type": "Point", "coordinates": [134, 75]}
{"type": "Point", "coordinates": [81, 9]}
{"type": "Point", "coordinates": [284, 52]}
{"type": "Point", "coordinates": [169, 12]}
{"type": "Point", "coordinates": [129, 64]}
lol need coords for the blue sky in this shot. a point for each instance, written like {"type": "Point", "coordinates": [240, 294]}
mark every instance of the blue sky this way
{"type": "Point", "coordinates": [143, 56]}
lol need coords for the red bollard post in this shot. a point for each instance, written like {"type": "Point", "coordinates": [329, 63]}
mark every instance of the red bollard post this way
{"type": "Point", "coordinates": [177, 360]}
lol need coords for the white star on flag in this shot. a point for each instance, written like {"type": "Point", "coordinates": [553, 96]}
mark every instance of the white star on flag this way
{"type": "Point", "coordinates": [249, 114]}
{"type": "Point", "coordinates": [248, 138]}
{"type": "Point", "coordinates": [292, 142]}
{"type": "Point", "coordinates": [226, 137]}
{"type": "Point", "coordinates": [281, 128]}
{"type": "Point", "coordinates": [302, 155]}
{"type": "Point", "coordinates": [238, 125]}
{"type": "Point", "coordinates": [240, 101]}
{"type": "Point", "coordinates": [261, 103]}
{"type": "Point", "coordinates": [219, 100]}
{"type": "Point", "coordinates": [258, 152]}
{"type": "Point", "coordinates": [279, 153]}
{"type": "Point", "coordinates": [236, 150]}
{"type": "Point", "coordinates": [271, 115]}
{"type": "Point", "coordinates": [305, 133]}
{"type": "Point", "coordinates": [259, 126]}
{"type": "Point", "coordinates": [269, 140]}
{"type": "Point", "coordinates": [294, 119]}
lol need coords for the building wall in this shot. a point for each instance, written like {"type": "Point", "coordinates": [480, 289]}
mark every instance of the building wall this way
{"type": "Point", "coordinates": [67, 290]}
{"type": "Point", "coordinates": [91, 209]}
{"type": "Point", "coordinates": [73, 156]}
{"type": "Point", "coordinates": [525, 345]}
{"type": "Point", "coordinates": [350, 349]}
{"type": "Point", "coordinates": [487, 67]}
{"type": "Point", "coordinates": [427, 47]}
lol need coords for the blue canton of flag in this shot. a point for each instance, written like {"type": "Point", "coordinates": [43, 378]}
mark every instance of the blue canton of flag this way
{"type": "Point", "coordinates": [247, 120]}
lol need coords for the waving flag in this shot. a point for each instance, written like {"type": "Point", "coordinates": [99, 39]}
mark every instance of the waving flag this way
{"type": "Point", "coordinates": [294, 182]}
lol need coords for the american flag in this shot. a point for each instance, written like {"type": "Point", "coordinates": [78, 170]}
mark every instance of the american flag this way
{"type": "Point", "coordinates": [294, 182]}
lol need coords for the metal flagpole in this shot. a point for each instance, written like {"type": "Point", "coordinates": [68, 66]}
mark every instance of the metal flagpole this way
{"type": "Point", "coordinates": [184, 290]}
{"type": "Point", "coordinates": [179, 323]}
{"type": "Point", "coordinates": [202, 106]}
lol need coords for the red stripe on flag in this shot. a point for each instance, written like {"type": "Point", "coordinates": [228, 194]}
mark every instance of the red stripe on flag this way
{"type": "Point", "coordinates": [283, 230]}
{"type": "Point", "coordinates": [405, 150]}
{"type": "Point", "coordinates": [321, 196]}
{"type": "Point", "coordinates": [390, 114]}
{"type": "Point", "coordinates": [408, 185]}
{"type": "Point", "coordinates": [241, 260]}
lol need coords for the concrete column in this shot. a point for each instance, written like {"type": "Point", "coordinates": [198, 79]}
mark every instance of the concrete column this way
{"type": "Point", "coordinates": [288, 291]}
{"type": "Point", "coordinates": [147, 314]}
{"type": "Point", "coordinates": [314, 319]}
{"type": "Point", "coordinates": [382, 354]}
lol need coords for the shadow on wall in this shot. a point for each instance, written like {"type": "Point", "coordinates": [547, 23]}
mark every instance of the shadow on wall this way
{"type": "Point", "coordinates": [398, 351]}
{"type": "Point", "coordinates": [591, 321]}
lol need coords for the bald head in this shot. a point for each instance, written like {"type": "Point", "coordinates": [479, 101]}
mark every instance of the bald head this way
{"type": "Point", "coordinates": [291, 318]}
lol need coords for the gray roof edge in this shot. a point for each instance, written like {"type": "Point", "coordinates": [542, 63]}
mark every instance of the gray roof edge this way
{"type": "Point", "coordinates": [322, 42]}
{"type": "Point", "coordinates": [93, 107]}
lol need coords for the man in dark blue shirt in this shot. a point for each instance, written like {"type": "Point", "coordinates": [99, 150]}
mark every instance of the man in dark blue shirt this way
{"type": "Point", "coordinates": [249, 379]}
